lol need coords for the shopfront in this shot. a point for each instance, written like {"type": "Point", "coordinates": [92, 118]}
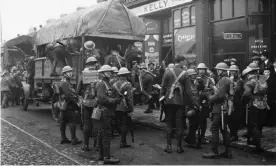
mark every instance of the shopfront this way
{"type": "Point", "coordinates": [240, 29]}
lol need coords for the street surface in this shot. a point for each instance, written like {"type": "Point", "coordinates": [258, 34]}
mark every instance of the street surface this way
{"type": "Point", "coordinates": [32, 137]}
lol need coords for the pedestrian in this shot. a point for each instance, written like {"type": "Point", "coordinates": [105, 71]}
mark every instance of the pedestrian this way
{"type": "Point", "coordinates": [256, 59]}
{"type": "Point", "coordinates": [255, 98]}
{"type": "Point", "coordinates": [219, 120]}
{"type": "Point", "coordinates": [69, 108]}
{"type": "Point", "coordinates": [235, 117]}
{"type": "Point", "coordinates": [87, 90]}
{"type": "Point", "coordinates": [176, 85]}
{"type": "Point", "coordinates": [125, 107]}
{"type": "Point", "coordinates": [265, 63]}
{"type": "Point", "coordinates": [5, 89]}
{"type": "Point", "coordinates": [107, 101]}
{"type": "Point", "coordinates": [271, 97]}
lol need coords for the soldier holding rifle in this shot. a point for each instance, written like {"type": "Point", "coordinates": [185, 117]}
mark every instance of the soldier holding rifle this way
{"type": "Point", "coordinates": [219, 101]}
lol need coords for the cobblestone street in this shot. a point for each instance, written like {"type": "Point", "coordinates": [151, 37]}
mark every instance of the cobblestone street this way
{"type": "Point", "coordinates": [18, 148]}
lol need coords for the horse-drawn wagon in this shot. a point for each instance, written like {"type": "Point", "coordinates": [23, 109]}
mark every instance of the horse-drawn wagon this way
{"type": "Point", "coordinates": [110, 25]}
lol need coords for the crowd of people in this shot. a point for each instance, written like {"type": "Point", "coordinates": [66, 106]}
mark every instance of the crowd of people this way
{"type": "Point", "coordinates": [105, 97]}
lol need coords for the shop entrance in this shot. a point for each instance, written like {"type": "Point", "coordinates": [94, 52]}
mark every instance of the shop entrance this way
{"type": "Point", "coordinates": [167, 51]}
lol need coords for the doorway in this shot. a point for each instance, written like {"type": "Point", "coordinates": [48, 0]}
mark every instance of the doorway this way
{"type": "Point", "coordinates": [167, 51]}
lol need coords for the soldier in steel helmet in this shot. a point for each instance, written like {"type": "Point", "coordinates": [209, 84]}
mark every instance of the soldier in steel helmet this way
{"type": "Point", "coordinates": [192, 113]}
{"type": "Point", "coordinates": [125, 107]}
{"type": "Point", "coordinates": [254, 97]}
{"type": "Point", "coordinates": [114, 77]}
{"type": "Point", "coordinates": [107, 100]}
{"type": "Point", "coordinates": [219, 120]}
{"type": "Point", "coordinates": [70, 108]}
{"type": "Point", "coordinates": [175, 85]}
{"type": "Point", "coordinates": [235, 112]}
{"type": "Point", "coordinates": [86, 90]}
{"type": "Point", "coordinates": [206, 87]}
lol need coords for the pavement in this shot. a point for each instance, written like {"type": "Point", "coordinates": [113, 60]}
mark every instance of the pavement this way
{"type": "Point", "coordinates": [152, 120]}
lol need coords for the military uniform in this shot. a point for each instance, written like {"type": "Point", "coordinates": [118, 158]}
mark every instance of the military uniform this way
{"type": "Point", "coordinates": [125, 107]}
{"type": "Point", "coordinates": [147, 81]}
{"type": "Point", "coordinates": [218, 101]}
{"type": "Point", "coordinates": [256, 101]}
{"type": "Point", "coordinates": [107, 100]}
{"type": "Point", "coordinates": [88, 92]}
{"type": "Point", "coordinates": [176, 104]}
{"type": "Point", "coordinates": [70, 114]}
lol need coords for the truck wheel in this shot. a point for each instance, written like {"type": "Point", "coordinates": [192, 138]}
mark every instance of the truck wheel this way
{"type": "Point", "coordinates": [55, 111]}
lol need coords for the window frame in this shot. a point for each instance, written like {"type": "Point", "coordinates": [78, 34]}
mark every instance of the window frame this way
{"type": "Point", "coordinates": [190, 19]}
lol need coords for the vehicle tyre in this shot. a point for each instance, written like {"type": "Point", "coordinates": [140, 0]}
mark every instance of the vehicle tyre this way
{"type": "Point", "coordinates": [55, 111]}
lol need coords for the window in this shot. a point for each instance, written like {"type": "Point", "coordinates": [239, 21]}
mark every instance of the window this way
{"type": "Point", "coordinates": [215, 7]}
{"type": "Point", "coordinates": [239, 8]}
{"type": "Point", "coordinates": [166, 26]}
{"type": "Point", "coordinates": [193, 18]}
{"type": "Point", "coordinates": [258, 6]}
{"type": "Point", "coordinates": [185, 14]}
{"type": "Point", "coordinates": [226, 9]}
{"type": "Point", "coordinates": [176, 18]}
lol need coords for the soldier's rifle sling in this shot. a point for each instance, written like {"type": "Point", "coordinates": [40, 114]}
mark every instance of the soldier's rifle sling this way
{"type": "Point", "coordinates": [222, 118]}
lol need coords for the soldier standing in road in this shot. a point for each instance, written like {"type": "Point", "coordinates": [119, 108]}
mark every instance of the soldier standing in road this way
{"type": "Point", "coordinates": [86, 88]}
{"type": "Point", "coordinates": [235, 115]}
{"type": "Point", "coordinates": [206, 87]}
{"type": "Point", "coordinates": [255, 97]}
{"type": "Point", "coordinates": [146, 79]}
{"type": "Point", "coordinates": [107, 101]}
{"type": "Point", "coordinates": [176, 85]}
{"type": "Point", "coordinates": [218, 114]}
{"type": "Point", "coordinates": [125, 108]}
{"type": "Point", "coordinates": [70, 112]}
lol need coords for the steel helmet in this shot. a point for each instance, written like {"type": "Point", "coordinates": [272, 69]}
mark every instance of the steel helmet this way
{"type": "Point", "coordinates": [234, 68]}
{"type": "Point", "coordinates": [171, 65]}
{"type": "Point", "coordinates": [201, 66]}
{"type": "Point", "coordinates": [89, 45]}
{"type": "Point", "coordinates": [233, 60]}
{"type": "Point", "coordinates": [245, 71]}
{"type": "Point", "coordinates": [91, 59]}
{"type": "Point", "coordinates": [115, 69]}
{"type": "Point", "coordinates": [191, 72]}
{"type": "Point", "coordinates": [253, 66]}
{"type": "Point", "coordinates": [14, 68]}
{"type": "Point", "coordinates": [221, 66]}
{"type": "Point", "coordinates": [256, 58]}
{"type": "Point", "coordinates": [123, 70]}
{"type": "Point", "coordinates": [66, 69]}
{"type": "Point", "coordinates": [105, 68]}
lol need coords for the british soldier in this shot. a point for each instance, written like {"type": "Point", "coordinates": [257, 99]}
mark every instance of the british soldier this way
{"type": "Point", "coordinates": [176, 85]}
{"type": "Point", "coordinates": [70, 112]}
{"type": "Point", "coordinates": [107, 101]}
{"type": "Point", "coordinates": [125, 107]}
{"type": "Point", "coordinates": [86, 89]}
{"type": "Point", "coordinates": [218, 113]}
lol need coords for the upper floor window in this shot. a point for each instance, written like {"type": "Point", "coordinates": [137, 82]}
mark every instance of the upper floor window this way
{"type": "Point", "coordinates": [184, 17]}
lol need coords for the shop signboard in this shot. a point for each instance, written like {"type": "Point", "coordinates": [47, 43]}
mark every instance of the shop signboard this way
{"type": "Point", "coordinates": [232, 36]}
{"type": "Point", "coordinates": [152, 46]}
{"type": "Point", "coordinates": [167, 39]}
{"type": "Point", "coordinates": [152, 26]}
{"type": "Point", "coordinates": [185, 17]}
{"type": "Point", "coordinates": [185, 43]}
{"type": "Point", "coordinates": [157, 6]}
{"type": "Point", "coordinates": [139, 46]}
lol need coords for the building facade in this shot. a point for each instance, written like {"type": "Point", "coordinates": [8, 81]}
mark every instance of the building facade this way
{"type": "Point", "coordinates": [206, 31]}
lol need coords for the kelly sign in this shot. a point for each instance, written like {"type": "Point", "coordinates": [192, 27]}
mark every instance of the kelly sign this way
{"type": "Point", "coordinates": [157, 6]}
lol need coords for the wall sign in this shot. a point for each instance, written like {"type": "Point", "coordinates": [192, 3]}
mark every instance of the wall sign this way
{"type": "Point", "coordinates": [232, 36]}
{"type": "Point", "coordinates": [167, 39]}
{"type": "Point", "coordinates": [157, 6]}
{"type": "Point", "coordinates": [152, 26]}
{"type": "Point", "coordinates": [152, 46]}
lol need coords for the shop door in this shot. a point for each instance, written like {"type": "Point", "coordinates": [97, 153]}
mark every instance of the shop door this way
{"type": "Point", "coordinates": [167, 54]}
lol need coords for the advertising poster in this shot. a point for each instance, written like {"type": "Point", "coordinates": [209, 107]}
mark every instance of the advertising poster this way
{"type": "Point", "coordinates": [152, 49]}
{"type": "Point", "coordinates": [185, 43]}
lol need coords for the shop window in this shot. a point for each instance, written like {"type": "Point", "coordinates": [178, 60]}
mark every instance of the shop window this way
{"type": "Point", "coordinates": [176, 18]}
{"type": "Point", "coordinates": [185, 14]}
{"type": "Point", "coordinates": [258, 6]}
{"type": "Point", "coordinates": [193, 18]}
{"type": "Point", "coordinates": [226, 9]}
{"type": "Point", "coordinates": [215, 7]}
{"type": "Point", "coordinates": [239, 8]}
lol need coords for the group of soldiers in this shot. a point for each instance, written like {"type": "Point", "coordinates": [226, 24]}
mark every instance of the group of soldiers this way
{"type": "Point", "coordinates": [104, 97]}
{"type": "Point", "coordinates": [11, 86]}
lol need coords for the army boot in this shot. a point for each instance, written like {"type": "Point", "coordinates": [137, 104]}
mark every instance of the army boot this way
{"type": "Point", "coordinates": [213, 155]}
{"type": "Point", "coordinates": [169, 144]}
{"type": "Point", "coordinates": [179, 144]}
{"type": "Point", "coordinates": [64, 139]}
{"type": "Point", "coordinates": [75, 141]}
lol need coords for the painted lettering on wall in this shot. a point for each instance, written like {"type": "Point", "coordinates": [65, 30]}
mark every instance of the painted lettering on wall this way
{"type": "Point", "coordinates": [232, 36]}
